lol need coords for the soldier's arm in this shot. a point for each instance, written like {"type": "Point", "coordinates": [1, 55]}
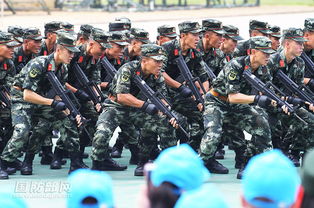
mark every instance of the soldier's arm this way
{"type": "Point", "coordinates": [239, 98]}
{"type": "Point", "coordinates": [171, 82]}
{"type": "Point", "coordinates": [32, 97]}
{"type": "Point", "coordinates": [129, 100]}
{"type": "Point", "coordinates": [70, 87]}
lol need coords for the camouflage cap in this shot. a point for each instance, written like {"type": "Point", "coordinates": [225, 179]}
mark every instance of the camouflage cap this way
{"type": "Point", "coordinates": [86, 30]}
{"type": "Point", "coordinates": [309, 24]}
{"type": "Point", "coordinates": [212, 25]}
{"type": "Point", "coordinates": [153, 51]}
{"type": "Point", "coordinates": [167, 31]}
{"type": "Point", "coordinates": [275, 31]}
{"type": "Point", "coordinates": [67, 27]}
{"type": "Point", "coordinates": [260, 26]}
{"type": "Point", "coordinates": [67, 40]}
{"type": "Point", "coordinates": [307, 173]}
{"type": "Point", "coordinates": [52, 26]}
{"type": "Point", "coordinates": [123, 19]}
{"type": "Point", "coordinates": [140, 34]}
{"type": "Point", "coordinates": [119, 38]}
{"type": "Point", "coordinates": [8, 39]}
{"type": "Point", "coordinates": [232, 32]}
{"type": "Point", "coordinates": [261, 43]}
{"type": "Point", "coordinates": [32, 33]}
{"type": "Point", "coordinates": [119, 26]}
{"type": "Point", "coordinates": [189, 27]}
{"type": "Point", "coordinates": [295, 34]}
{"type": "Point", "coordinates": [17, 32]}
{"type": "Point", "coordinates": [101, 37]}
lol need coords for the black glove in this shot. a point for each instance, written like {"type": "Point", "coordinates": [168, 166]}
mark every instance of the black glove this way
{"type": "Point", "coordinates": [80, 94]}
{"type": "Point", "coordinates": [185, 91]}
{"type": "Point", "coordinates": [262, 101]}
{"type": "Point", "coordinates": [149, 108]}
{"type": "Point", "coordinates": [295, 101]}
{"type": "Point", "coordinates": [58, 105]}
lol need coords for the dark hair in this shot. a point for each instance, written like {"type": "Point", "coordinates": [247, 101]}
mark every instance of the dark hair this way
{"type": "Point", "coordinates": [308, 201]}
{"type": "Point", "coordinates": [163, 196]}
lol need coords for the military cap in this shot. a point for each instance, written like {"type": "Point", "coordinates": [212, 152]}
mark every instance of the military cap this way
{"type": "Point", "coordinates": [232, 32]}
{"type": "Point", "coordinates": [119, 38]}
{"type": "Point", "coordinates": [17, 32]}
{"type": "Point", "coordinates": [67, 40]}
{"type": "Point", "coordinates": [153, 51]}
{"type": "Point", "coordinates": [32, 33]}
{"type": "Point", "coordinates": [189, 27]}
{"type": "Point", "coordinates": [86, 30]}
{"type": "Point", "coordinates": [119, 26]}
{"type": "Point", "coordinates": [67, 27]}
{"type": "Point", "coordinates": [101, 37]}
{"type": "Point", "coordinates": [275, 31]}
{"type": "Point", "coordinates": [295, 34]}
{"type": "Point", "coordinates": [167, 31]}
{"type": "Point", "coordinates": [52, 26]}
{"type": "Point", "coordinates": [307, 173]}
{"type": "Point", "coordinates": [261, 43]}
{"type": "Point", "coordinates": [260, 26]}
{"type": "Point", "coordinates": [212, 25]}
{"type": "Point", "coordinates": [123, 19]}
{"type": "Point", "coordinates": [140, 34]}
{"type": "Point", "coordinates": [309, 24]}
{"type": "Point", "coordinates": [8, 39]}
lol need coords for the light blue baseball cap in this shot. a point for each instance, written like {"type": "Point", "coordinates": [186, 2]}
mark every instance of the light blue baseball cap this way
{"type": "Point", "coordinates": [180, 166]}
{"type": "Point", "coordinates": [270, 176]}
{"type": "Point", "coordinates": [8, 200]}
{"type": "Point", "coordinates": [90, 183]}
{"type": "Point", "coordinates": [207, 196]}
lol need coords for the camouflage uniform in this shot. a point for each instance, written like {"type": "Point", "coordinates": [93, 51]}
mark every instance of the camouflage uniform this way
{"type": "Point", "coordinates": [115, 114]}
{"type": "Point", "coordinates": [244, 46]}
{"type": "Point", "coordinates": [219, 111]}
{"type": "Point", "coordinates": [309, 26]}
{"type": "Point", "coordinates": [186, 106]}
{"type": "Point", "coordinates": [50, 27]}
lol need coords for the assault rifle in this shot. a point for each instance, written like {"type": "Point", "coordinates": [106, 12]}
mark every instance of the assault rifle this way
{"type": "Point", "coordinates": [111, 71]}
{"type": "Point", "coordinates": [308, 63]}
{"type": "Point", "coordinates": [210, 72]}
{"type": "Point", "coordinates": [153, 97]}
{"type": "Point", "coordinates": [4, 98]}
{"type": "Point", "coordinates": [88, 86]}
{"type": "Point", "coordinates": [188, 78]}
{"type": "Point", "coordinates": [68, 98]}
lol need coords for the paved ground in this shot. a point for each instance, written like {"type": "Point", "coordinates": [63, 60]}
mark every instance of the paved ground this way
{"type": "Point", "coordinates": [48, 187]}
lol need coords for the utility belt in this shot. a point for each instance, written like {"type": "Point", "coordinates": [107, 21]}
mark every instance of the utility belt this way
{"type": "Point", "coordinates": [217, 95]}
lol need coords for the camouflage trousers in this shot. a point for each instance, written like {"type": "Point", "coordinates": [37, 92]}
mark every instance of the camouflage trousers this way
{"type": "Point", "coordinates": [150, 126]}
{"type": "Point", "coordinates": [245, 117]}
{"type": "Point", "coordinates": [6, 128]}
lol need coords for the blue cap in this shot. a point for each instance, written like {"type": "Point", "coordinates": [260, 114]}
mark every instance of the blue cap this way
{"type": "Point", "coordinates": [180, 166]}
{"type": "Point", "coordinates": [206, 196]}
{"type": "Point", "coordinates": [270, 175]}
{"type": "Point", "coordinates": [90, 183]}
{"type": "Point", "coordinates": [8, 200]}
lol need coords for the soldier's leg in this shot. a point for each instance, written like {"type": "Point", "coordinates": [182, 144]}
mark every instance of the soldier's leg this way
{"type": "Point", "coordinates": [6, 128]}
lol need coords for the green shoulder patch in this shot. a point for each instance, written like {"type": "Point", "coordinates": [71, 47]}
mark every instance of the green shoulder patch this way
{"type": "Point", "coordinates": [232, 75]}
{"type": "Point", "coordinates": [34, 72]}
{"type": "Point", "coordinates": [125, 77]}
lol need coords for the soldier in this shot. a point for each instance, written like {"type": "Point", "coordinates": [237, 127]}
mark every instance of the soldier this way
{"type": "Point", "coordinates": [230, 41]}
{"type": "Point", "coordinates": [126, 105]}
{"type": "Point", "coordinates": [138, 38]}
{"type": "Point", "coordinates": [228, 102]}
{"type": "Point", "coordinates": [274, 36]}
{"type": "Point", "coordinates": [30, 48]}
{"type": "Point", "coordinates": [257, 28]}
{"type": "Point", "coordinates": [166, 33]}
{"type": "Point", "coordinates": [119, 25]}
{"type": "Point", "coordinates": [29, 99]}
{"type": "Point", "coordinates": [84, 34]}
{"type": "Point", "coordinates": [17, 33]}
{"type": "Point", "coordinates": [48, 45]}
{"type": "Point", "coordinates": [180, 94]}
{"type": "Point", "coordinates": [308, 47]}
{"type": "Point", "coordinates": [67, 27]}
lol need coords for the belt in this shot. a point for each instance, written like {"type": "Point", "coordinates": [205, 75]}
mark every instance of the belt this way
{"type": "Point", "coordinates": [112, 98]}
{"type": "Point", "coordinates": [17, 88]}
{"type": "Point", "coordinates": [216, 94]}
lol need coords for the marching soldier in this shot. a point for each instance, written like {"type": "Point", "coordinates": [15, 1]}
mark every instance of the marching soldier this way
{"type": "Point", "coordinates": [274, 36]}
{"type": "Point", "coordinates": [166, 33]}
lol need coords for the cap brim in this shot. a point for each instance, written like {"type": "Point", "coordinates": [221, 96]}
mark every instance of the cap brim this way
{"type": "Point", "coordinates": [19, 39]}
{"type": "Point", "coordinates": [267, 32]}
{"type": "Point", "coordinates": [106, 45]}
{"type": "Point", "coordinates": [37, 38]}
{"type": "Point", "coordinates": [237, 38]}
{"type": "Point", "coordinates": [195, 31]}
{"type": "Point", "coordinates": [269, 51]}
{"type": "Point", "coordinates": [221, 32]}
{"type": "Point", "coordinates": [122, 43]}
{"type": "Point", "coordinates": [174, 35]}
{"type": "Point", "coordinates": [158, 58]}
{"type": "Point", "coordinates": [72, 49]}
{"type": "Point", "coordinates": [276, 36]}
{"type": "Point", "coordinates": [300, 39]}
{"type": "Point", "coordinates": [13, 44]}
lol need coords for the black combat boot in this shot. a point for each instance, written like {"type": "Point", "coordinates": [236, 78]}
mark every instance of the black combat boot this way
{"type": "Point", "coordinates": [243, 165]}
{"type": "Point", "coordinates": [76, 162]}
{"type": "Point", "coordinates": [27, 166]}
{"type": "Point", "coordinates": [139, 170]}
{"type": "Point", "coordinates": [3, 166]}
{"type": "Point", "coordinates": [57, 159]}
{"type": "Point", "coordinates": [47, 155]}
{"type": "Point", "coordinates": [81, 156]}
{"type": "Point", "coordinates": [220, 154]}
{"type": "Point", "coordinates": [134, 154]}
{"type": "Point", "coordinates": [154, 153]}
{"type": "Point", "coordinates": [12, 167]}
{"type": "Point", "coordinates": [215, 167]}
{"type": "Point", "coordinates": [239, 157]}
{"type": "Point", "coordinates": [117, 149]}
{"type": "Point", "coordinates": [107, 165]}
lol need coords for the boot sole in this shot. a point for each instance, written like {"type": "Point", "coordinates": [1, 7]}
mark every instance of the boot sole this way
{"type": "Point", "coordinates": [26, 173]}
{"type": "Point", "coordinates": [114, 169]}
{"type": "Point", "coordinates": [55, 168]}
{"type": "Point", "coordinates": [217, 172]}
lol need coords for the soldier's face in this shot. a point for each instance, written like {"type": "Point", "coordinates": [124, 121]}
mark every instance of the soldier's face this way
{"type": "Point", "coordinates": [261, 57]}
{"type": "Point", "coordinates": [309, 35]}
{"type": "Point", "coordinates": [6, 52]}
{"type": "Point", "coordinates": [214, 39]}
{"type": "Point", "coordinates": [295, 48]}
{"type": "Point", "coordinates": [116, 51]}
{"type": "Point", "coordinates": [152, 66]}
{"type": "Point", "coordinates": [229, 45]}
{"type": "Point", "coordinates": [275, 43]}
{"type": "Point", "coordinates": [96, 50]}
{"type": "Point", "coordinates": [52, 37]}
{"type": "Point", "coordinates": [66, 55]}
{"type": "Point", "coordinates": [164, 39]}
{"type": "Point", "coordinates": [136, 47]}
{"type": "Point", "coordinates": [33, 45]}
{"type": "Point", "coordinates": [191, 39]}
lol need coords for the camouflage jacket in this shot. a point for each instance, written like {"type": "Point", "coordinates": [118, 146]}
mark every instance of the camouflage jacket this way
{"type": "Point", "coordinates": [123, 81]}
{"type": "Point", "coordinates": [20, 59]}
{"type": "Point", "coordinates": [44, 50]}
{"type": "Point", "coordinates": [242, 48]}
{"type": "Point", "coordinates": [213, 58]}
{"type": "Point", "coordinates": [230, 79]}
{"type": "Point", "coordinates": [127, 57]}
{"type": "Point", "coordinates": [116, 63]}
{"type": "Point", "coordinates": [310, 54]}
{"type": "Point", "coordinates": [193, 60]}
{"type": "Point", "coordinates": [89, 66]}
{"type": "Point", "coordinates": [294, 70]}
{"type": "Point", "coordinates": [7, 72]}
